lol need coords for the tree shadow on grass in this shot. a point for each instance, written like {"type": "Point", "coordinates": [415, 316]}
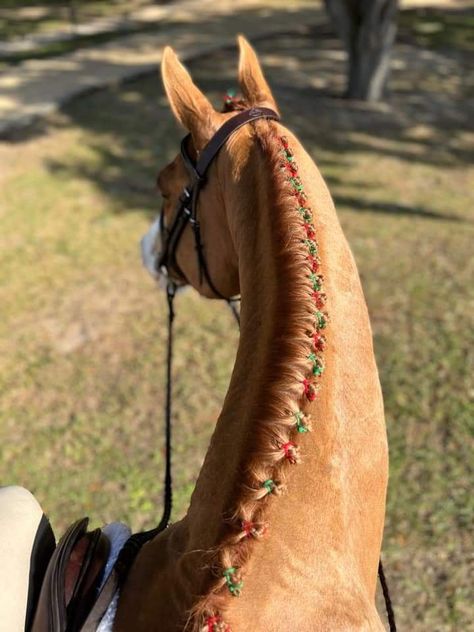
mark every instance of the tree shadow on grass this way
{"type": "Point", "coordinates": [388, 208]}
{"type": "Point", "coordinates": [424, 122]}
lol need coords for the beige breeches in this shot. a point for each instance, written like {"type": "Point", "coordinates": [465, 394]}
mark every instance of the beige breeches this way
{"type": "Point", "coordinates": [20, 517]}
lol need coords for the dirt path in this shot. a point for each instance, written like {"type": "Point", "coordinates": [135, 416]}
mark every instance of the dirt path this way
{"type": "Point", "coordinates": [37, 87]}
{"type": "Point", "coordinates": [195, 27]}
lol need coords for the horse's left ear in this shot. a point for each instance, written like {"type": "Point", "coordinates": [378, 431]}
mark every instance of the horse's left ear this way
{"type": "Point", "coordinates": [252, 82]}
{"type": "Point", "coordinates": [191, 108]}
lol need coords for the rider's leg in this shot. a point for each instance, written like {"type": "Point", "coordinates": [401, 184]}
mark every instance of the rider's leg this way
{"type": "Point", "coordinates": [26, 541]}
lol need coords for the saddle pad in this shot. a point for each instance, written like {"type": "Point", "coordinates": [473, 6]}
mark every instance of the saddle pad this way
{"type": "Point", "coordinates": [102, 614]}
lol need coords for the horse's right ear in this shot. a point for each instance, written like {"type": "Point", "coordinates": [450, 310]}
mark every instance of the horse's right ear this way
{"type": "Point", "coordinates": [252, 82]}
{"type": "Point", "coordinates": [190, 107]}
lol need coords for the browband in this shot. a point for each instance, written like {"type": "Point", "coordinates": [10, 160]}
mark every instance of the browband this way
{"type": "Point", "coordinates": [210, 151]}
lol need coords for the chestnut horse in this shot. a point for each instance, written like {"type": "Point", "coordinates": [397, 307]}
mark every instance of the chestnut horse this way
{"type": "Point", "coordinates": [284, 529]}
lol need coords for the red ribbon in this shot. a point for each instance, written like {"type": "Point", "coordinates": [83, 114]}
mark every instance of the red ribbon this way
{"type": "Point", "coordinates": [314, 263]}
{"type": "Point", "coordinates": [309, 390]}
{"type": "Point", "coordinates": [318, 341]}
{"type": "Point", "coordinates": [291, 168]}
{"type": "Point", "coordinates": [289, 450]}
{"type": "Point", "coordinates": [214, 620]}
{"type": "Point", "coordinates": [318, 298]}
{"type": "Point", "coordinates": [247, 526]}
{"type": "Point", "coordinates": [310, 232]}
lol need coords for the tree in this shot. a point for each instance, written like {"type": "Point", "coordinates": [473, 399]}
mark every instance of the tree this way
{"type": "Point", "coordinates": [367, 29]}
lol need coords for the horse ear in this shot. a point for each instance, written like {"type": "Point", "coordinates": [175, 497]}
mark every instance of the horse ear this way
{"type": "Point", "coordinates": [190, 107]}
{"type": "Point", "coordinates": [252, 82]}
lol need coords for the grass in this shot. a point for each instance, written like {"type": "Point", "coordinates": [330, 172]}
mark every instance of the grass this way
{"type": "Point", "coordinates": [438, 28]}
{"type": "Point", "coordinates": [19, 19]}
{"type": "Point", "coordinates": [64, 46]}
{"type": "Point", "coordinates": [426, 27]}
{"type": "Point", "coordinates": [22, 21]}
{"type": "Point", "coordinates": [82, 335]}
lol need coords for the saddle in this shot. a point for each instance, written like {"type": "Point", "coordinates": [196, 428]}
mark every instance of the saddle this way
{"type": "Point", "coordinates": [73, 595]}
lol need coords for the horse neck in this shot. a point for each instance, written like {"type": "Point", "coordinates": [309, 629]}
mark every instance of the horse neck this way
{"type": "Point", "coordinates": [311, 521]}
{"type": "Point", "coordinates": [254, 437]}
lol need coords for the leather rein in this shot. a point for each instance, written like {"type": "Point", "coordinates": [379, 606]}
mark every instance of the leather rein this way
{"type": "Point", "coordinates": [186, 212]}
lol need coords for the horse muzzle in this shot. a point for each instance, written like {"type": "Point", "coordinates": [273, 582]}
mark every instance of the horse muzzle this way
{"type": "Point", "coordinates": [149, 246]}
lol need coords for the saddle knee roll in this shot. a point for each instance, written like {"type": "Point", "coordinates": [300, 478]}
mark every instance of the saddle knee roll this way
{"type": "Point", "coordinates": [26, 545]}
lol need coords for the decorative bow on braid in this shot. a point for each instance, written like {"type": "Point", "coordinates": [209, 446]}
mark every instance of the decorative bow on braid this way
{"type": "Point", "coordinates": [233, 581]}
{"type": "Point", "coordinates": [288, 164]}
{"type": "Point", "coordinates": [215, 624]}
{"type": "Point", "coordinates": [233, 102]}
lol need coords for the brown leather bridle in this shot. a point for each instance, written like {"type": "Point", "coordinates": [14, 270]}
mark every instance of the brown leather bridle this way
{"type": "Point", "coordinates": [187, 209]}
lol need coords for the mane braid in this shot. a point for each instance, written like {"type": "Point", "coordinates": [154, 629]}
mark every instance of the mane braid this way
{"type": "Point", "coordinates": [275, 447]}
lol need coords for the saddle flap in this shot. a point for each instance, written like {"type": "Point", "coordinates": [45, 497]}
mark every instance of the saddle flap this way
{"type": "Point", "coordinates": [71, 580]}
{"type": "Point", "coordinates": [91, 571]}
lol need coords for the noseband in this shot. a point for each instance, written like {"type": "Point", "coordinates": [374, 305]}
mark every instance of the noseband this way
{"type": "Point", "coordinates": [186, 211]}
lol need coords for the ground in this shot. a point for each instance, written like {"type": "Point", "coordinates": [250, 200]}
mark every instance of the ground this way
{"type": "Point", "coordinates": [82, 337]}
{"type": "Point", "coordinates": [19, 17]}
{"type": "Point", "coordinates": [35, 31]}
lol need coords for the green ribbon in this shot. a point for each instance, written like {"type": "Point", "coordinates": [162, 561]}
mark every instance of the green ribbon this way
{"type": "Point", "coordinates": [269, 485]}
{"type": "Point", "coordinates": [300, 425]}
{"type": "Point", "coordinates": [297, 184]}
{"type": "Point", "coordinates": [315, 281]}
{"type": "Point", "coordinates": [321, 320]}
{"type": "Point", "coordinates": [235, 588]}
{"type": "Point", "coordinates": [312, 247]}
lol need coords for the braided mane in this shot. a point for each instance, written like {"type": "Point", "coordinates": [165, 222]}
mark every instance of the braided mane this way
{"type": "Point", "coordinates": [297, 367]}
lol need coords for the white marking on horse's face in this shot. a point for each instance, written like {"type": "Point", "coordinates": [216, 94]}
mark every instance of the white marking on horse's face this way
{"type": "Point", "coordinates": [150, 251]}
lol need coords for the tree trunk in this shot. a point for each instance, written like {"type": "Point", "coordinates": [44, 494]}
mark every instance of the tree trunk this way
{"type": "Point", "coordinates": [368, 29]}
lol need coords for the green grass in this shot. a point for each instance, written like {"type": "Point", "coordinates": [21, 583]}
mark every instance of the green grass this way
{"type": "Point", "coordinates": [62, 47]}
{"type": "Point", "coordinates": [18, 19]}
{"type": "Point", "coordinates": [14, 23]}
{"type": "Point", "coordinates": [438, 28]}
{"type": "Point", "coordinates": [82, 335]}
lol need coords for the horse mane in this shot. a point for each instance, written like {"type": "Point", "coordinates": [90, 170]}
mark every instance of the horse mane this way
{"type": "Point", "coordinates": [296, 369]}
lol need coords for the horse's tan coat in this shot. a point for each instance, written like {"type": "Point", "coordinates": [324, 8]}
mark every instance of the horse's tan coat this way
{"type": "Point", "coordinates": [316, 569]}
